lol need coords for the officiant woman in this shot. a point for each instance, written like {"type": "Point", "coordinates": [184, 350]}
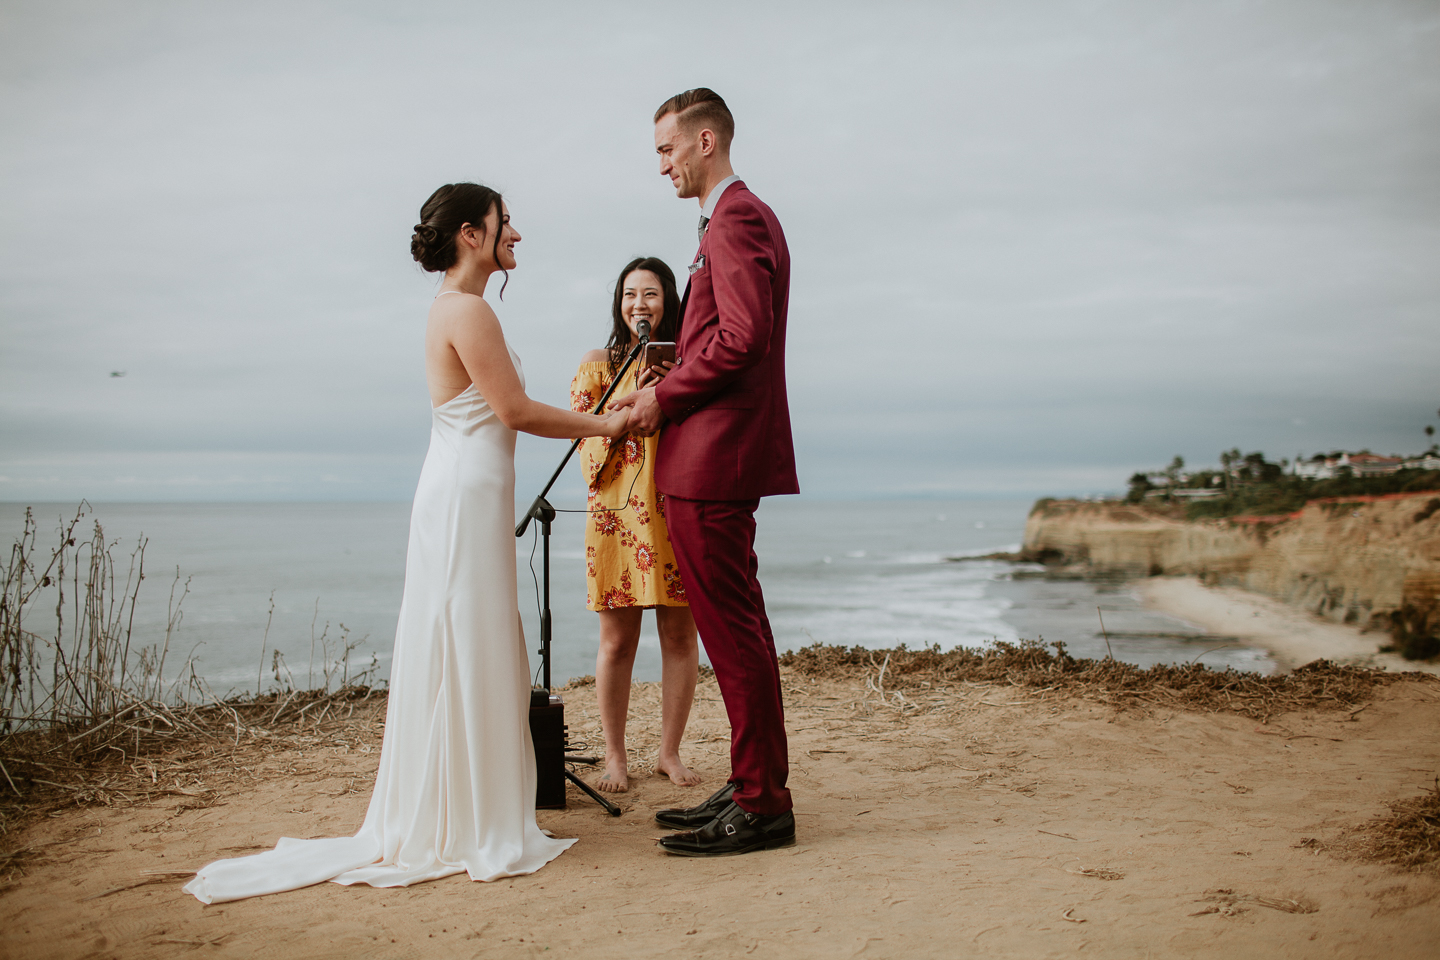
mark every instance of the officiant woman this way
{"type": "Point", "coordinates": [629, 565]}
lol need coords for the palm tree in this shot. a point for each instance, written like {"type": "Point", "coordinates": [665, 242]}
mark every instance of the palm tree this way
{"type": "Point", "coordinates": [1227, 458]}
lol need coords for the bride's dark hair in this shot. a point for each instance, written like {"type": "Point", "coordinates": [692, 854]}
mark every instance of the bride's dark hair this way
{"type": "Point", "coordinates": [667, 329]}
{"type": "Point", "coordinates": [448, 209]}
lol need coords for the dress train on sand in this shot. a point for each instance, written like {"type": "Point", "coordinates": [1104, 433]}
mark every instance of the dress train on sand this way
{"type": "Point", "coordinates": [455, 788]}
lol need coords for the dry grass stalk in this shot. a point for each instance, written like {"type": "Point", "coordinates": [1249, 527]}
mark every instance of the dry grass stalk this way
{"type": "Point", "coordinates": [77, 670]}
{"type": "Point", "coordinates": [1030, 664]}
{"type": "Point", "coordinates": [1099, 873]}
{"type": "Point", "coordinates": [83, 708]}
{"type": "Point", "coordinates": [1228, 902]}
{"type": "Point", "coordinates": [1409, 836]}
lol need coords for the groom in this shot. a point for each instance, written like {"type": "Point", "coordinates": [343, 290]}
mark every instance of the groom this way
{"type": "Point", "coordinates": [726, 444]}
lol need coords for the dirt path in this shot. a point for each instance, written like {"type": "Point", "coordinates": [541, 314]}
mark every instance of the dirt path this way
{"type": "Point", "coordinates": [985, 821]}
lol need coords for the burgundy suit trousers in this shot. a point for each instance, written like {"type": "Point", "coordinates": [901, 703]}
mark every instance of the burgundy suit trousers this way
{"type": "Point", "coordinates": [714, 542]}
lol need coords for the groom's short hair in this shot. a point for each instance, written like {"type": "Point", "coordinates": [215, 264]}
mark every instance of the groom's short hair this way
{"type": "Point", "coordinates": [699, 109]}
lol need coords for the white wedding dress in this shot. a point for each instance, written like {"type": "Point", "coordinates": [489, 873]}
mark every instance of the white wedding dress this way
{"type": "Point", "coordinates": [456, 784]}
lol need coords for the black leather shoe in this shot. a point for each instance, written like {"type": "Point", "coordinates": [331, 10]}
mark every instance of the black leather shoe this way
{"type": "Point", "coordinates": [734, 831]}
{"type": "Point", "coordinates": [694, 818]}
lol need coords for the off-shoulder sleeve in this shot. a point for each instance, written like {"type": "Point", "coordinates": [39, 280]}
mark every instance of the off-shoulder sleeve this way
{"type": "Point", "coordinates": [589, 385]}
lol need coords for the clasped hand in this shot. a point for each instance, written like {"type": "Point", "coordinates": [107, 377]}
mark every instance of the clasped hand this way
{"type": "Point", "coordinates": [646, 417]}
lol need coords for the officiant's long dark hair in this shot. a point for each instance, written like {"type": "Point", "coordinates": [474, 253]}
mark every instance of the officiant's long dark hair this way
{"type": "Point", "coordinates": [668, 329]}
{"type": "Point", "coordinates": [448, 209]}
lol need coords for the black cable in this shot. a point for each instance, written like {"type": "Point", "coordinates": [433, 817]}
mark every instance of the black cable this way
{"type": "Point", "coordinates": [539, 613]}
{"type": "Point", "coordinates": [628, 493]}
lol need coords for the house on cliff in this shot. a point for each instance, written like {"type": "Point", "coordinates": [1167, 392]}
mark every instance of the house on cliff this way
{"type": "Point", "coordinates": [1319, 467]}
{"type": "Point", "coordinates": [1322, 467]}
{"type": "Point", "coordinates": [1369, 465]}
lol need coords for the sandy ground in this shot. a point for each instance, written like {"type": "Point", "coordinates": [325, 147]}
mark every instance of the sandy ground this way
{"type": "Point", "coordinates": [1292, 636]}
{"type": "Point", "coordinates": [976, 820]}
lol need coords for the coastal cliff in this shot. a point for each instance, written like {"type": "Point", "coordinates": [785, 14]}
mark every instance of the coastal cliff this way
{"type": "Point", "coordinates": [1371, 561]}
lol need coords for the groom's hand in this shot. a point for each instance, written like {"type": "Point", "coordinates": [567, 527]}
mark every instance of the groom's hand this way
{"type": "Point", "coordinates": [645, 413]}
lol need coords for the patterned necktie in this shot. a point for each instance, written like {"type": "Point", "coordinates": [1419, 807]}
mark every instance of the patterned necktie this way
{"type": "Point", "coordinates": [703, 220]}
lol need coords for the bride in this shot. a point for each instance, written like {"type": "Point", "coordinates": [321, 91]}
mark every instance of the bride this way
{"type": "Point", "coordinates": [455, 788]}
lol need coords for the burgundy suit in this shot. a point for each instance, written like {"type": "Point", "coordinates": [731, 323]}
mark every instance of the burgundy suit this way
{"type": "Point", "coordinates": [727, 443]}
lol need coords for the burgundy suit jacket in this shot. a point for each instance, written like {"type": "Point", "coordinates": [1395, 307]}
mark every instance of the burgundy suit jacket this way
{"type": "Point", "coordinates": [728, 435]}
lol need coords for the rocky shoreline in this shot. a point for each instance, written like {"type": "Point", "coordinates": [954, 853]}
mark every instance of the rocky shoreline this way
{"type": "Point", "coordinates": [1372, 563]}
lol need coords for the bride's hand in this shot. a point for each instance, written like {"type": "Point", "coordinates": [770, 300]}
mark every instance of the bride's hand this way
{"type": "Point", "coordinates": [616, 424]}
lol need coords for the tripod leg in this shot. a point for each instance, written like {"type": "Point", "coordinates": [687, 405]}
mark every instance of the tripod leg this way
{"type": "Point", "coordinates": [610, 807]}
{"type": "Point", "coordinates": [590, 761]}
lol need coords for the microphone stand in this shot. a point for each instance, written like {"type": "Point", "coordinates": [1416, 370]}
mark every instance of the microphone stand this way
{"type": "Point", "coordinates": [542, 512]}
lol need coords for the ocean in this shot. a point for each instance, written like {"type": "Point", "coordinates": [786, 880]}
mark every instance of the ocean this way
{"type": "Point", "coordinates": [868, 573]}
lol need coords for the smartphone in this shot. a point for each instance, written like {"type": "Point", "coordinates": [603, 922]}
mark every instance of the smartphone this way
{"type": "Point", "coordinates": [657, 352]}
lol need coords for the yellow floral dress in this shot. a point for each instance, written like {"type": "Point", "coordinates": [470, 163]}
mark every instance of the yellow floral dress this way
{"type": "Point", "coordinates": [628, 558]}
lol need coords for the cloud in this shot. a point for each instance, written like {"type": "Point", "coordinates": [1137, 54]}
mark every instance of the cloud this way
{"type": "Point", "coordinates": [1034, 246]}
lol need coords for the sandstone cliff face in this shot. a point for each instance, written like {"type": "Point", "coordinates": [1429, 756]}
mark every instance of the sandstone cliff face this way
{"type": "Point", "coordinates": [1368, 560]}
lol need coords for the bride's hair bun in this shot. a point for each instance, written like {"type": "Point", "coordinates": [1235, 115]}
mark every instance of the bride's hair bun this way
{"type": "Point", "coordinates": [423, 244]}
{"type": "Point", "coordinates": [448, 209]}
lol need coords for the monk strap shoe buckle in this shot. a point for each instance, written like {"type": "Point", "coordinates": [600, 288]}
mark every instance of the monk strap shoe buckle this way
{"type": "Point", "coordinates": [734, 831]}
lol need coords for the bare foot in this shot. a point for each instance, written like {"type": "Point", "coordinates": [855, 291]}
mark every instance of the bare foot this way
{"type": "Point", "coordinates": [679, 774]}
{"type": "Point", "coordinates": [615, 779]}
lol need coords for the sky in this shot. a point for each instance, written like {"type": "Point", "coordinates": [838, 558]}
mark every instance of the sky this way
{"type": "Point", "coordinates": [1035, 247]}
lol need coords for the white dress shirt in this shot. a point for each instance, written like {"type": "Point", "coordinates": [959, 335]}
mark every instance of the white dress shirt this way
{"type": "Point", "coordinates": [708, 210]}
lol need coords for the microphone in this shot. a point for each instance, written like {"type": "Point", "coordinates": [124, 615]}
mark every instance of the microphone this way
{"type": "Point", "coordinates": [642, 328]}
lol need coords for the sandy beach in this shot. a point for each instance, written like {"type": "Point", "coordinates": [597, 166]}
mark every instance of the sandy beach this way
{"type": "Point", "coordinates": [952, 820]}
{"type": "Point", "coordinates": [1292, 636]}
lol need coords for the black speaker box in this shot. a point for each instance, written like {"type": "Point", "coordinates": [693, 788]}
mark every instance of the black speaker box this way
{"type": "Point", "coordinates": [547, 729]}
